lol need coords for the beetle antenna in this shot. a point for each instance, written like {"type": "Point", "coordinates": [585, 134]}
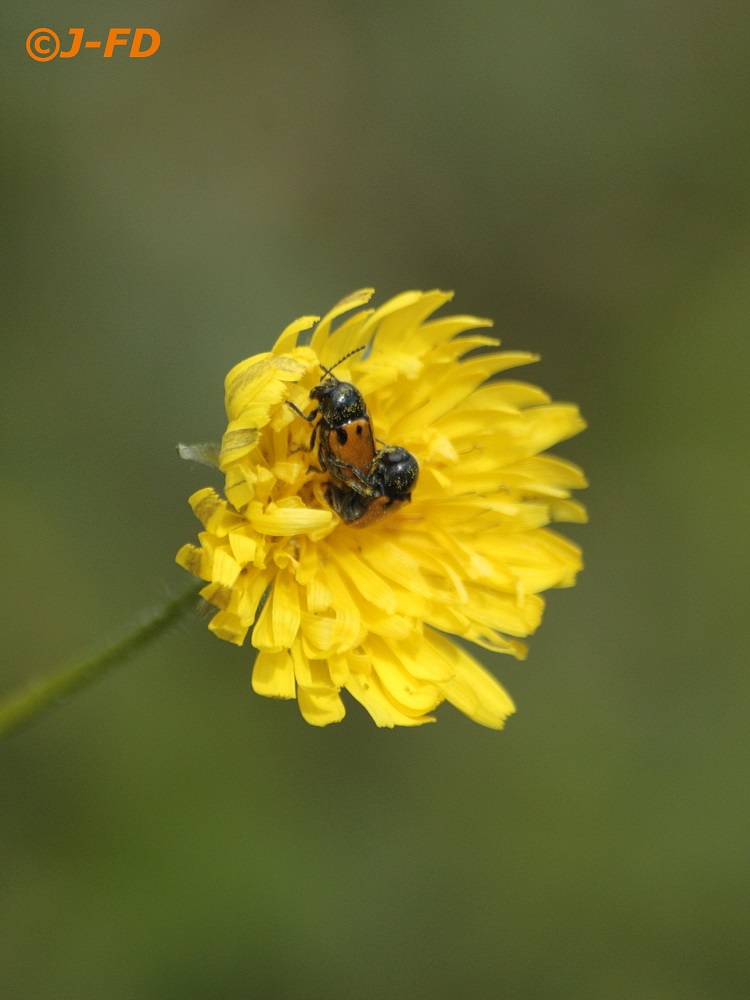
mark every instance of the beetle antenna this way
{"type": "Point", "coordinates": [342, 360]}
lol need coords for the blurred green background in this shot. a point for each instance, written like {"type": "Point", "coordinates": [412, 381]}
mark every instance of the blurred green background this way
{"type": "Point", "coordinates": [581, 173]}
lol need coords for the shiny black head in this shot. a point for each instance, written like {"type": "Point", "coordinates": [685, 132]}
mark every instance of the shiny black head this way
{"type": "Point", "coordinates": [339, 402]}
{"type": "Point", "coordinates": [394, 473]}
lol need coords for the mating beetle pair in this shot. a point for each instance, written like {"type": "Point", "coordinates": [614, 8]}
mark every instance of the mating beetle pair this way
{"type": "Point", "coordinates": [365, 485]}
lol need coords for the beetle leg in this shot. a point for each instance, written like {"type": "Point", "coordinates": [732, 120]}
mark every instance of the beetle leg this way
{"type": "Point", "coordinates": [356, 480]}
{"type": "Point", "coordinates": [348, 505]}
{"type": "Point", "coordinates": [310, 416]}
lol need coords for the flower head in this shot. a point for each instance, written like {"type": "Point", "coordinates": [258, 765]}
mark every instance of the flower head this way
{"type": "Point", "coordinates": [369, 605]}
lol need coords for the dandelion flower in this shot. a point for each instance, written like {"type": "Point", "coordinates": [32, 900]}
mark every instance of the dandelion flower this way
{"type": "Point", "coordinates": [331, 606]}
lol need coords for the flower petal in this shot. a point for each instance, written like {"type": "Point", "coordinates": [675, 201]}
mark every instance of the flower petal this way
{"type": "Point", "coordinates": [286, 521]}
{"type": "Point", "coordinates": [473, 690]}
{"type": "Point", "coordinates": [273, 675]}
{"type": "Point", "coordinates": [320, 708]}
{"type": "Point", "coordinates": [369, 693]}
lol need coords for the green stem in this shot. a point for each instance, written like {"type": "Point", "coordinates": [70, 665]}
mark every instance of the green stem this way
{"type": "Point", "coordinates": [23, 707]}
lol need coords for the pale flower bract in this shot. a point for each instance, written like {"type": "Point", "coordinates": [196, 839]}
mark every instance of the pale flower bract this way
{"type": "Point", "coordinates": [373, 610]}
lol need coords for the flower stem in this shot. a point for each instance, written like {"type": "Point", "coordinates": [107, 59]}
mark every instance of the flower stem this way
{"type": "Point", "coordinates": [21, 708]}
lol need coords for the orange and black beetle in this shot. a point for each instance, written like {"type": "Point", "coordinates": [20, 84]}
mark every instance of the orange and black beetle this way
{"type": "Point", "coordinates": [365, 485]}
{"type": "Point", "coordinates": [380, 492]}
{"type": "Point", "coordinates": [346, 443]}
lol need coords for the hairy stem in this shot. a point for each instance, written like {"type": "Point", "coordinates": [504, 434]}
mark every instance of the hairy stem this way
{"type": "Point", "coordinates": [41, 696]}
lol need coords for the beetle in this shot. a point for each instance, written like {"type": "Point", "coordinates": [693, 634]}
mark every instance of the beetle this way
{"type": "Point", "coordinates": [366, 498]}
{"type": "Point", "coordinates": [346, 443]}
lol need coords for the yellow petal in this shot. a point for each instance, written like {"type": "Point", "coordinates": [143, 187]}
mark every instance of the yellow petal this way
{"type": "Point", "coordinates": [312, 674]}
{"type": "Point", "coordinates": [256, 584]}
{"type": "Point", "coordinates": [440, 336]}
{"type": "Point", "coordinates": [191, 558]}
{"type": "Point", "coordinates": [228, 626]}
{"type": "Point", "coordinates": [263, 637]}
{"type": "Point", "coordinates": [236, 443]}
{"type": "Point", "coordinates": [322, 342]}
{"type": "Point", "coordinates": [320, 708]}
{"type": "Point", "coordinates": [288, 338]}
{"type": "Point", "coordinates": [244, 546]}
{"type": "Point", "coordinates": [421, 660]}
{"type": "Point", "coordinates": [212, 511]}
{"type": "Point", "coordinates": [370, 584]}
{"type": "Point", "coordinates": [273, 675]}
{"type": "Point", "coordinates": [285, 610]}
{"type": "Point", "coordinates": [319, 596]}
{"type": "Point", "coordinates": [545, 426]}
{"type": "Point", "coordinates": [226, 569]}
{"type": "Point", "coordinates": [568, 510]}
{"type": "Point", "coordinates": [276, 520]}
{"type": "Point", "coordinates": [339, 632]}
{"type": "Point", "coordinates": [473, 690]}
{"type": "Point", "coordinates": [260, 382]}
{"type": "Point", "coordinates": [370, 695]}
{"type": "Point", "coordinates": [400, 315]}
{"type": "Point", "coordinates": [412, 695]}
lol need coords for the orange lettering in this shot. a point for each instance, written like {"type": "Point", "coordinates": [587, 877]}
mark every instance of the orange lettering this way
{"type": "Point", "coordinates": [113, 39]}
{"type": "Point", "coordinates": [77, 34]}
{"type": "Point", "coordinates": [136, 52]}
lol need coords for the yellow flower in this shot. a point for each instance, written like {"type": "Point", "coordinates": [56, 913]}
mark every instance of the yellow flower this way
{"type": "Point", "coordinates": [372, 609]}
